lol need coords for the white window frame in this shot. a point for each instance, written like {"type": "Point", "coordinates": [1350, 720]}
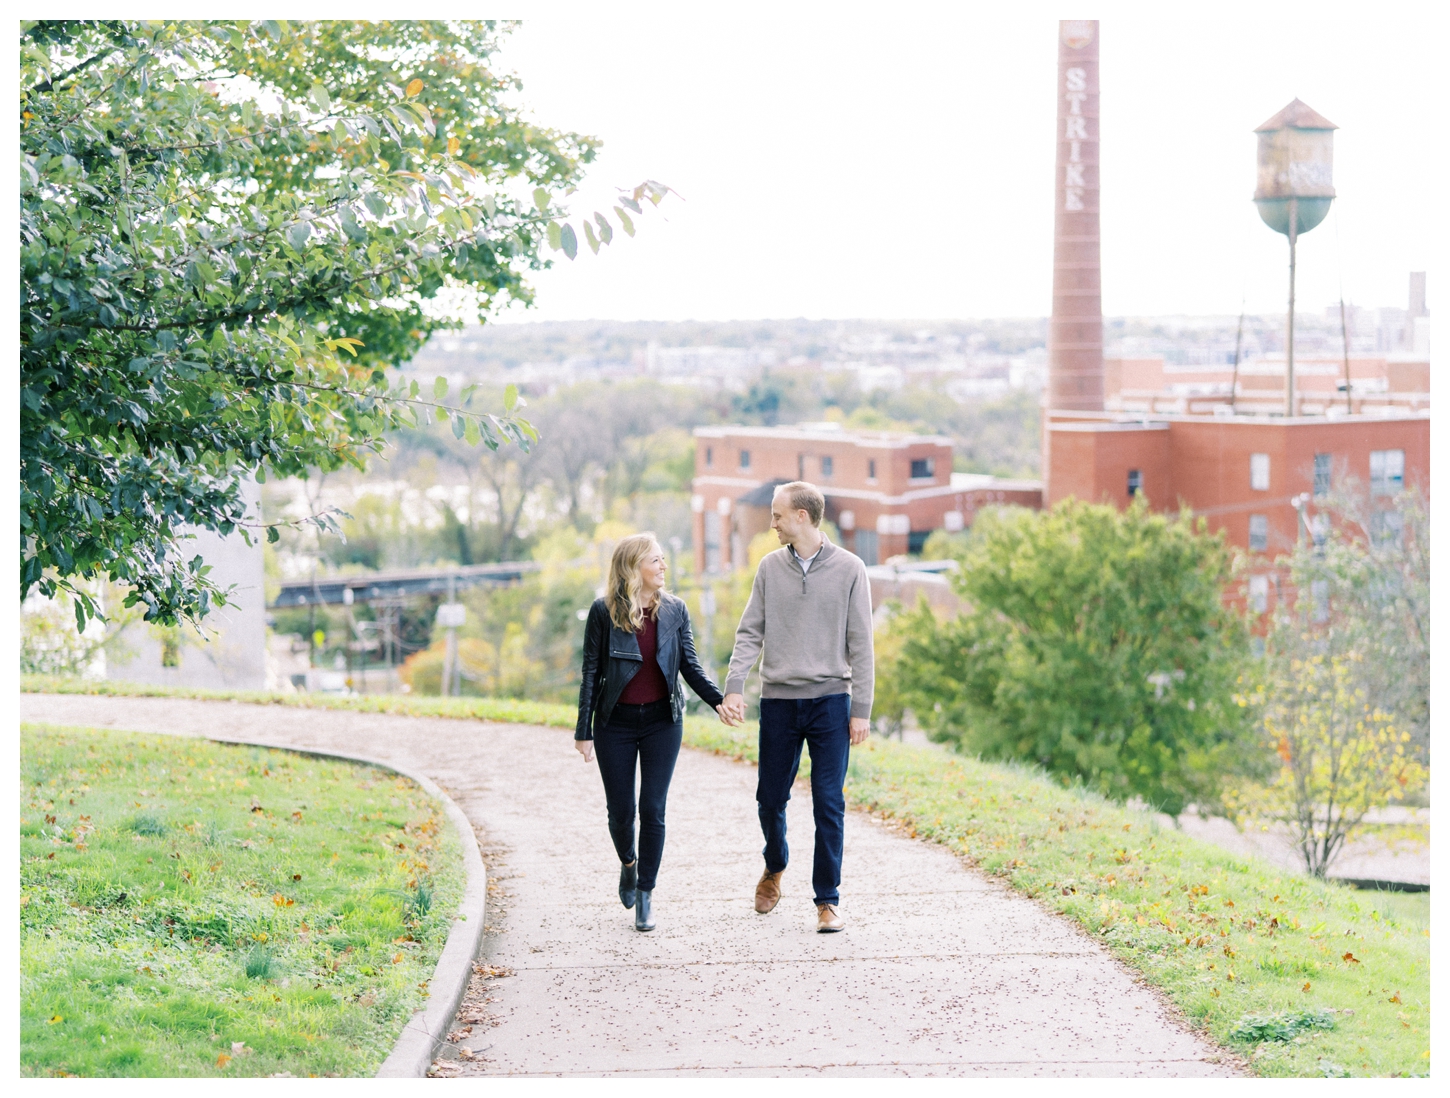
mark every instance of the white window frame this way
{"type": "Point", "coordinates": [1259, 472]}
{"type": "Point", "coordinates": [1263, 521]}
{"type": "Point", "coordinates": [1258, 594]}
{"type": "Point", "coordinates": [1386, 472]}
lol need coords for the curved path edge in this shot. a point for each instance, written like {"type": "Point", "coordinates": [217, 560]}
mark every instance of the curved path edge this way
{"type": "Point", "coordinates": [423, 1034]}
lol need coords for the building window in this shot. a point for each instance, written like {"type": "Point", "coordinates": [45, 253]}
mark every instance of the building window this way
{"type": "Point", "coordinates": [1258, 533]}
{"type": "Point", "coordinates": [871, 469]}
{"type": "Point", "coordinates": [1386, 472]}
{"type": "Point", "coordinates": [709, 455]}
{"type": "Point", "coordinates": [1259, 594]}
{"type": "Point", "coordinates": [745, 459]}
{"type": "Point", "coordinates": [828, 466]}
{"type": "Point", "coordinates": [1387, 528]}
{"type": "Point", "coordinates": [1323, 470]}
{"type": "Point", "coordinates": [923, 468]}
{"type": "Point", "coordinates": [1135, 481]}
{"type": "Point", "coordinates": [916, 540]}
{"type": "Point", "coordinates": [1259, 472]}
{"type": "Point", "coordinates": [866, 546]}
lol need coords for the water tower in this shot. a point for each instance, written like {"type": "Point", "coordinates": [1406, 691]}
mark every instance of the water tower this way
{"type": "Point", "coordinates": [1296, 186]}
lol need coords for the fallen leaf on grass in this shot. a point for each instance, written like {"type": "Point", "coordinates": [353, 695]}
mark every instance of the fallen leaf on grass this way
{"type": "Point", "coordinates": [1305, 987]}
{"type": "Point", "coordinates": [223, 1060]}
{"type": "Point", "coordinates": [1351, 958]}
{"type": "Point", "coordinates": [57, 1019]}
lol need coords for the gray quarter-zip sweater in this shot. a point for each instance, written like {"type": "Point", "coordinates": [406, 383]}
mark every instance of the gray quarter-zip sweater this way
{"type": "Point", "coordinates": [811, 631]}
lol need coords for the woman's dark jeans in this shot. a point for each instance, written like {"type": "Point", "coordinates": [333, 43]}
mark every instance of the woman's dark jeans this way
{"type": "Point", "coordinates": [646, 733]}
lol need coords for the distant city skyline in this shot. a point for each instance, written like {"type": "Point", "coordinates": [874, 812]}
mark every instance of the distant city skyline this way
{"type": "Point", "coordinates": [839, 164]}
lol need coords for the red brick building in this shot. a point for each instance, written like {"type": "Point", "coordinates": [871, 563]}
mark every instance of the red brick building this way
{"type": "Point", "coordinates": [1243, 473]}
{"type": "Point", "coordinates": [1378, 384]}
{"type": "Point", "coordinates": [885, 491]}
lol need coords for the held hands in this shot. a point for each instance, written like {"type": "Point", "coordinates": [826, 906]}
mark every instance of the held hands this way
{"type": "Point", "coordinates": [860, 729]}
{"type": "Point", "coordinates": [585, 748]}
{"type": "Point", "coordinates": [732, 709]}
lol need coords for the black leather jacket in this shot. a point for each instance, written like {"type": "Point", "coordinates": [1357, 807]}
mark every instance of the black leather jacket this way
{"type": "Point", "coordinates": [612, 658]}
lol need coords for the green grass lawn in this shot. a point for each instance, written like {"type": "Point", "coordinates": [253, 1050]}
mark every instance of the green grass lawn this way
{"type": "Point", "coordinates": [1249, 952]}
{"type": "Point", "coordinates": [195, 909]}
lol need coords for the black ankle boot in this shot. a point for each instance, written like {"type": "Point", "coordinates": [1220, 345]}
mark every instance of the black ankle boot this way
{"type": "Point", "coordinates": [627, 878]}
{"type": "Point", "coordinates": [643, 917]}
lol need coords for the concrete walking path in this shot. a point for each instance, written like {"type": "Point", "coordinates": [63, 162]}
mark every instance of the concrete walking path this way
{"type": "Point", "coordinates": [940, 971]}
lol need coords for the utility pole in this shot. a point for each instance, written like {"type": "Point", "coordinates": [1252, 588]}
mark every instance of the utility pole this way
{"type": "Point", "coordinates": [1344, 333]}
{"type": "Point", "coordinates": [707, 617]}
{"type": "Point", "coordinates": [1233, 393]}
{"type": "Point", "coordinates": [350, 633]}
{"type": "Point", "coordinates": [450, 616]}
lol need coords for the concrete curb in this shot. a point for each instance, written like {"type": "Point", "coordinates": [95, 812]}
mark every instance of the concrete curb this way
{"type": "Point", "coordinates": [413, 1051]}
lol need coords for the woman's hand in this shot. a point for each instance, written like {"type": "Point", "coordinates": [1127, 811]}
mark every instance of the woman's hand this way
{"type": "Point", "coordinates": [725, 715]}
{"type": "Point", "coordinates": [585, 748]}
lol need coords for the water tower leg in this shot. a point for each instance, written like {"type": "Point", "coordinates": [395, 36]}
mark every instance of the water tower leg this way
{"type": "Point", "coordinates": [1289, 341]}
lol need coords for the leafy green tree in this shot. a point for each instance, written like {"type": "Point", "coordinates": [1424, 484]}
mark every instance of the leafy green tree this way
{"type": "Point", "coordinates": [228, 232]}
{"type": "Point", "coordinates": [1097, 645]}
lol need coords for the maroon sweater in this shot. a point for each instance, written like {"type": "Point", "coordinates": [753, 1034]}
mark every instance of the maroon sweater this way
{"type": "Point", "coordinates": [648, 684]}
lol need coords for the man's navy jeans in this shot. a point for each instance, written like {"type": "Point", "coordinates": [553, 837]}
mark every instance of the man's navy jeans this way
{"type": "Point", "coordinates": [785, 725]}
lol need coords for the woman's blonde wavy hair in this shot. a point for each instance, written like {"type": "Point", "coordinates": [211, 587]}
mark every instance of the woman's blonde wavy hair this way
{"type": "Point", "coordinates": [622, 595]}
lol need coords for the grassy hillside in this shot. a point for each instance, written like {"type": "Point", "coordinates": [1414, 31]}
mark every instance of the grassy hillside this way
{"type": "Point", "coordinates": [1301, 976]}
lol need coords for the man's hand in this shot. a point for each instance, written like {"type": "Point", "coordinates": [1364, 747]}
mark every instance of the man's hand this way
{"type": "Point", "coordinates": [732, 709]}
{"type": "Point", "coordinates": [586, 748]}
{"type": "Point", "coordinates": [860, 729]}
{"type": "Point", "coordinates": [725, 717]}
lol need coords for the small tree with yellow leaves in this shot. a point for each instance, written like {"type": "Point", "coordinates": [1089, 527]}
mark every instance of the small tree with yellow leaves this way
{"type": "Point", "coordinates": [1339, 755]}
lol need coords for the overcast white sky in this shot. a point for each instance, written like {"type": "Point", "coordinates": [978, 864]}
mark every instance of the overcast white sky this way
{"type": "Point", "coordinates": [897, 161]}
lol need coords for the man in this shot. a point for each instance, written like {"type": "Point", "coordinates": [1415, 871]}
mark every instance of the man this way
{"type": "Point", "coordinates": [810, 614]}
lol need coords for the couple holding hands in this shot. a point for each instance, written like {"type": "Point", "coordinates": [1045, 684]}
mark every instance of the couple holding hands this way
{"type": "Point", "coordinates": [808, 621]}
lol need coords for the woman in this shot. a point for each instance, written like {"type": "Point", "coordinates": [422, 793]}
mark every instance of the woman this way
{"type": "Point", "coordinates": [637, 643]}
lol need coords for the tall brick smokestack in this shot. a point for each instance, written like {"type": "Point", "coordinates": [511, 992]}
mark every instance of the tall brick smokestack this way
{"type": "Point", "coordinates": [1075, 338]}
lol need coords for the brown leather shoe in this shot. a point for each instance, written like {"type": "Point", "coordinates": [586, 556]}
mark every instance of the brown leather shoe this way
{"type": "Point", "coordinates": [767, 892]}
{"type": "Point", "coordinates": [827, 920]}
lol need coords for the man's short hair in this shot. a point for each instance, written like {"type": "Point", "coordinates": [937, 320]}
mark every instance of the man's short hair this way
{"type": "Point", "coordinates": [805, 497]}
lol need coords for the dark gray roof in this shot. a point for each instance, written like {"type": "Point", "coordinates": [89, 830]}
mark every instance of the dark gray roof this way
{"type": "Point", "coordinates": [761, 497]}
